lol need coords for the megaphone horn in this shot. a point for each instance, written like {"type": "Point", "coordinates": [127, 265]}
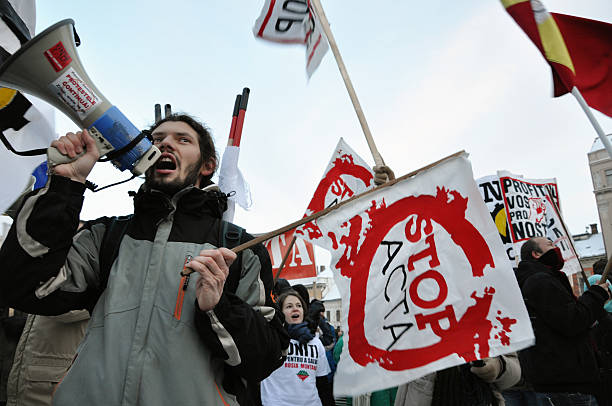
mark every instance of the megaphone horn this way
{"type": "Point", "coordinates": [48, 67]}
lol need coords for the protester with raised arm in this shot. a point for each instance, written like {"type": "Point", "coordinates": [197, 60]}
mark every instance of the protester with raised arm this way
{"type": "Point", "coordinates": [155, 337]}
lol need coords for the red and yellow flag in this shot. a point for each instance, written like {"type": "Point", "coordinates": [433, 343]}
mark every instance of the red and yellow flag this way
{"type": "Point", "coordinates": [578, 50]}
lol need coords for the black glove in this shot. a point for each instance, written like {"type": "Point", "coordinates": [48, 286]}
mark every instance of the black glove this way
{"type": "Point", "coordinates": [300, 332]}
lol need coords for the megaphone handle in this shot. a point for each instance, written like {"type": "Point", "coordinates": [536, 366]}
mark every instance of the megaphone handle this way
{"type": "Point", "coordinates": [55, 157]}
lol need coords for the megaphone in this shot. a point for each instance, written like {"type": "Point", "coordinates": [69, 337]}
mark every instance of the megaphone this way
{"type": "Point", "coordinates": [48, 67]}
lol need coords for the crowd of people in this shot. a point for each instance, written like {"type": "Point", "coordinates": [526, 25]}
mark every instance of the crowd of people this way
{"type": "Point", "coordinates": [104, 312]}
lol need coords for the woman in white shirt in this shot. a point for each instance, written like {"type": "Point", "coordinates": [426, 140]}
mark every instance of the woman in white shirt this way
{"type": "Point", "coordinates": [295, 383]}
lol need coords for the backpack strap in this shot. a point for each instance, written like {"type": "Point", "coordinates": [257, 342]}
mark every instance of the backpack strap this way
{"type": "Point", "coordinates": [109, 248]}
{"type": "Point", "coordinates": [230, 236]}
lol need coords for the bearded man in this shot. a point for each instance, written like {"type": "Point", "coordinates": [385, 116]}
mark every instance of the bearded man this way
{"type": "Point", "coordinates": [561, 367]}
{"type": "Point", "coordinates": [156, 336]}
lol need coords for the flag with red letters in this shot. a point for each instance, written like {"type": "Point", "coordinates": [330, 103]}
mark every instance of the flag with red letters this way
{"type": "Point", "coordinates": [424, 279]}
{"type": "Point", "coordinates": [346, 175]}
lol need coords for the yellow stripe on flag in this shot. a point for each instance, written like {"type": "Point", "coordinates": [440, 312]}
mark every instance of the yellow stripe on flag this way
{"type": "Point", "coordinates": [510, 3]}
{"type": "Point", "coordinates": [6, 96]}
{"type": "Point", "coordinates": [552, 41]}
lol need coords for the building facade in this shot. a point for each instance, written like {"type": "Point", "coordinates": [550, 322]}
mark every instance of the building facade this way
{"type": "Point", "coordinates": [600, 165]}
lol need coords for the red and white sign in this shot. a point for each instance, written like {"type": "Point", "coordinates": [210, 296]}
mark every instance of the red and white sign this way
{"type": "Point", "coordinates": [293, 22]}
{"type": "Point", "coordinates": [301, 260]}
{"type": "Point", "coordinates": [346, 175]}
{"type": "Point", "coordinates": [75, 93]}
{"type": "Point", "coordinates": [424, 279]}
{"type": "Point", "coordinates": [58, 57]}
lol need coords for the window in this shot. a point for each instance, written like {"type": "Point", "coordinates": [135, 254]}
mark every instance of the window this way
{"type": "Point", "coordinates": [338, 316]}
{"type": "Point", "coordinates": [327, 313]}
{"type": "Point", "coordinates": [608, 173]}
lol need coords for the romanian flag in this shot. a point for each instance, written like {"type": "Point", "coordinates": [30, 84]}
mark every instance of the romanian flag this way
{"type": "Point", "coordinates": [578, 50]}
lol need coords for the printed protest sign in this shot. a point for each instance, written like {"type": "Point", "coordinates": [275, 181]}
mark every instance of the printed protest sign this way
{"type": "Point", "coordinates": [490, 190]}
{"type": "Point", "coordinates": [424, 279]}
{"type": "Point", "coordinates": [301, 261]}
{"type": "Point", "coordinates": [346, 175]}
{"type": "Point", "coordinates": [531, 213]}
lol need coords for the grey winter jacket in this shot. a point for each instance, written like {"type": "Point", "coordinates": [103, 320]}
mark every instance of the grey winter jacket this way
{"type": "Point", "coordinates": [147, 342]}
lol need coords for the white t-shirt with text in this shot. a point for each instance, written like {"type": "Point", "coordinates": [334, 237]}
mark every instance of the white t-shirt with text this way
{"type": "Point", "coordinates": [294, 383]}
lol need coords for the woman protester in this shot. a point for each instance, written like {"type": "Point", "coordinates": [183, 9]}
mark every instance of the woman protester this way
{"type": "Point", "coordinates": [302, 377]}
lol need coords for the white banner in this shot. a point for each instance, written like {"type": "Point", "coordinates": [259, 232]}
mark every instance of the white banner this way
{"type": "Point", "coordinates": [490, 190]}
{"type": "Point", "coordinates": [424, 279]}
{"type": "Point", "coordinates": [530, 213]}
{"type": "Point", "coordinates": [346, 175]}
{"type": "Point", "coordinates": [293, 22]}
{"type": "Point", "coordinates": [26, 122]}
{"type": "Point", "coordinates": [232, 181]}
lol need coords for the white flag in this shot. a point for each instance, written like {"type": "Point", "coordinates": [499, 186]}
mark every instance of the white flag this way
{"type": "Point", "coordinates": [232, 181]}
{"type": "Point", "coordinates": [293, 22]}
{"type": "Point", "coordinates": [346, 175]}
{"type": "Point", "coordinates": [26, 122]}
{"type": "Point", "coordinates": [424, 279]}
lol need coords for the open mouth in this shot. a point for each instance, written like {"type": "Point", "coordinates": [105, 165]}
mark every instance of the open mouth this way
{"type": "Point", "coordinates": [295, 316]}
{"type": "Point", "coordinates": [166, 163]}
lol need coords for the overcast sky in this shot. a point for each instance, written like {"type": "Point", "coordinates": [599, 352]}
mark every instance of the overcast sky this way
{"type": "Point", "coordinates": [433, 77]}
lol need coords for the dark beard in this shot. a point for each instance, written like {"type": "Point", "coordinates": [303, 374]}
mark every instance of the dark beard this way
{"type": "Point", "coordinates": [172, 187]}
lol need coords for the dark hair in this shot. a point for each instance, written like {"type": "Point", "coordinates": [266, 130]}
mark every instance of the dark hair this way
{"type": "Point", "coordinates": [286, 294]}
{"type": "Point", "coordinates": [599, 266]}
{"type": "Point", "coordinates": [301, 289]}
{"type": "Point", "coordinates": [208, 153]}
{"type": "Point", "coordinates": [527, 248]}
{"type": "Point", "coordinates": [280, 286]}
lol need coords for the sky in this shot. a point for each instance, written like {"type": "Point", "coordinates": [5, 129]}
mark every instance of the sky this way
{"type": "Point", "coordinates": [433, 77]}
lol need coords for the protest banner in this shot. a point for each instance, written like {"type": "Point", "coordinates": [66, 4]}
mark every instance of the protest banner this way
{"type": "Point", "coordinates": [425, 282]}
{"type": "Point", "coordinates": [293, 22]}
{"type": "Point", "coordinates": [346, 175]}
{"type": "Point", "coordinates": [491, 193]}
{"type": "Point", "coordinates": [26, 122]}
{"type": "Point", "coordinates": [300, 261]}
{"type": "Point", "coordinates": [531, 213]}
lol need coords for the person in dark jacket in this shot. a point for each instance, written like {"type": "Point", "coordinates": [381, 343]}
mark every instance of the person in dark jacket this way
{"type": "Point", "coordinates": [157, 335]}
{"type": "Point", "coordinates": [562, 366]}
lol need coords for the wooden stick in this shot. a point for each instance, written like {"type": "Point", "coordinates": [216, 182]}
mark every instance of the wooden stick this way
{"type": "Point", "coordinates": [569, 237]}
{"type": "Point", "coordinates": [604, 275]}
{"type": "Point", "coordinates": [323, 212]}
{"type": "Point", "coordinates": [347, 82]}
{"type": "Point", "coordinates": [282, 265]}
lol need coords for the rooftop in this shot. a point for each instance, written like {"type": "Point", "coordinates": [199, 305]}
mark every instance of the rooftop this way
{"type": "Point", "coordinates": [591, 246]}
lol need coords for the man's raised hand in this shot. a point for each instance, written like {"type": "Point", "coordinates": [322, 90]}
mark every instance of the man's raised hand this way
{"type": "Point", "coordinates": [71, 145]}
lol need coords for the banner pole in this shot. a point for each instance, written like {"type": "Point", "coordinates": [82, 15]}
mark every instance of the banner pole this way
{"type": "Point", "coordinates": [282, 265]}
{"type": "Point", "coordinates": [569, 237]}
{"type": "Point", "coordinates": [587, 110]}
{"type": "Point", "coordinates": [604, 275]}
{"type": "Point", "coordinates": [347, 82]}
{"type": "Point", "coordinates": [314, 216]}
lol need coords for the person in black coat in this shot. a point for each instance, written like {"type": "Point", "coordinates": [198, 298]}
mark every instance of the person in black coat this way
{"type": "Point", "coordinates": [562, 366]}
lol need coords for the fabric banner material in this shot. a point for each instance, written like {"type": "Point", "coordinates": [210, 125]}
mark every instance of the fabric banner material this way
{"type": "Point", "coordinates": [232, 181]}
{"type": "Point", "coordinates": [26, 121]}
{"type": "Point", "coordinates": [531, 213]}
{"type": "Point", "coordinates": [346, 175]}
{"type": "Point", "coordinates": [577, 49]}
{"type": "Point", "coordinates": [424, 279]}
{"type": "Point", "coordinates": [293, 22]}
